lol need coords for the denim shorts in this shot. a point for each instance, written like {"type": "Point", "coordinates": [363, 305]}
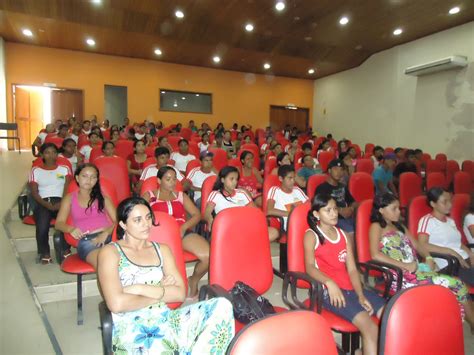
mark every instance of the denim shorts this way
{"type": "Point", "coordinates": [86, 244]}
{"type": "Point", "coordinates": [346, 224]}
{"type": "Point", "coordinates": [353, 307]}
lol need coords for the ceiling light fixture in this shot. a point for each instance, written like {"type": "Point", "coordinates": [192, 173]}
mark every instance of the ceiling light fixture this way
{"type": "Point", "coordinates": [96, 2]}
{"type": "Point", "coordinates": [249, 27]}
{"type": "Point", "coordinates": [183, 98]}
{"type": "Point", "coordinates": [179, 14]}
{"type": "Point", "coordinates": [90, 42]}
{"type": "Point", "coordinates": [280, 6]}
{"type": "Point", "coordinates": [344, 20]}
{"type": "Point", "coordinates": [267, 66]}
{"type": "Point", "coordinates": [398, 32]}
{"type": "Point", "coordinates": [454, 10]}
{"type": "Point", "coordinates": [163, 92]}
{"type": "Point", "coordinates": [197, 94]}
{"type": "Point", "coordinates": [311, 71]}
{"type": "Point", "coordinates": [158, 51]}
{"type": "Point", "coordinates": [216, 59]}
{"type": "Point", "coordinates": [27, 32]}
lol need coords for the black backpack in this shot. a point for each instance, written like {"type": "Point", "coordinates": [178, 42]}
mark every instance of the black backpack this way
{"type": "Point", "coordinates": [248, 305]}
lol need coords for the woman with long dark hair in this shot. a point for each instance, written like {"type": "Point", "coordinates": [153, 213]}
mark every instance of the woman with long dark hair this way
{"type": "Point", "coordinates": [138, 278]}
{"type": "Point", "coordinates": [329, 259]}
{"type": "Point", "coordinates": [48, 182]}
{"type": "Point", "coordinates": [92, 214]}
{"type": "Point", "coordinates": [392, 243]}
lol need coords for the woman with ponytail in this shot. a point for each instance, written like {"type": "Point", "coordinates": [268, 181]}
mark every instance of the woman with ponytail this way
{"type": "Point", "coordinates": [92, 214]}
{"type": "Point", "coordinates": [329, 259]}
{"type": "Point", "coordinates": [392, 243]}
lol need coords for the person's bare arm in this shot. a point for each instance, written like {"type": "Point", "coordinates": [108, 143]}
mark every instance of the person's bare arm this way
{"type": "Point", "coordinates": [432, 248]}
{"type": "Point", "coordinates": [208, 213]}
{"type": "Point", "coordinates": [272, 211]}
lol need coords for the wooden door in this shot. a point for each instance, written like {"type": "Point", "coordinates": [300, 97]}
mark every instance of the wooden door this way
{"type": "Point", "coordinates": [22, 117]}
{"type": "Point", "coordinates": [280, 116]}
{"type": "Point", "coordinates": [36, 114]}
{"type": "Point", "coordinates": [67, 103]}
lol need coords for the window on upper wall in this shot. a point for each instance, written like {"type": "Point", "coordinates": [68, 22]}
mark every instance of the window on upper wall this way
{"type": "Point", "coordinates": [185, 101]}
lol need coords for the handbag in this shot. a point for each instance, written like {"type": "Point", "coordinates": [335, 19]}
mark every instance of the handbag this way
{"type": "Point", "coordinates": [248, 305]}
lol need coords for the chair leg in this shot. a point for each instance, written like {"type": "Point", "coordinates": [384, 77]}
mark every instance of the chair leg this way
{"type": "Point", "coordinates": [80, 316]}
{"type": "Point", "coordinates": [355, 342]}
{"type": "Point", "coordinates": [346, 342]}
{"type": "Point", "coordinates": [283, 258]}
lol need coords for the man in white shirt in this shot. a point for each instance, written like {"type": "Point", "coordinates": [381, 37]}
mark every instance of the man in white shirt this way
{"type": "Point", "coordinates": [85, 150]}
{"type": "Point", "coordinates": [197, 175]}
{"type": "Point", "coordinates": [182, 158]}
{"type": "Point", "coordinates": [39, 141]}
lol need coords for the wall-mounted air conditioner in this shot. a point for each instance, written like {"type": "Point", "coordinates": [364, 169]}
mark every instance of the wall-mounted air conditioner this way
{"type": "Point", "coordinates": [452, 62]}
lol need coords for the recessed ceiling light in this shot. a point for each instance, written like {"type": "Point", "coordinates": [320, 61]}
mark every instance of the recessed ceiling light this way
{"type": "Point", "coordinates": [216, 59]}
{"type": "Point", "coordinates": [175, 104]}
{"type": "Point", "coordinates": [398, 32]}
{"type": "Point", "coordinates": [454, 10]}
{"type": "Point", "coordinates": [197, 94]}
{"type": "Point", "coordinates": [163, 92]}
{"type": "Point", "coordinates": [96, 2]}
{"type": "Point", "coordinates": [344, 20]}
{"type": "Point", "coordinates": [267, 66]}
{"type": "Point", "coordinates": [280, 6]}
{"type": "Point", "coordinates": [158, 51]}
{"type": "Point", "coordinates": [249, 27]}
{"type": "Point", "coordinates": [27, 32]}
{"type": "Point", "coordinates": [311, 71]}
{"type": "Point", "coordinates": [183, 98]}
{"type": "Point", "coordinates": [179, 14]}
{"type": "Point", "coordinates": [90, 42]}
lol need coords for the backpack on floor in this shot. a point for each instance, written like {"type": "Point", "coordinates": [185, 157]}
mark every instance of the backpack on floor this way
{"type": "Point", "coordinates": [248, 305]}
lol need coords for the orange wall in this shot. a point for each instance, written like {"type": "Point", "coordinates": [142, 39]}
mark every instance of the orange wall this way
{"type": "Point", "coordinates": [235, 99]}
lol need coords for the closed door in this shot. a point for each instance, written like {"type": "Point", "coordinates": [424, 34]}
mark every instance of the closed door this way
{"type": "Point", "coordinates": [280, 116]}
{"type": "Point", "coordinates": [28, 115]}
{"type": "Point", "coordinates": [67, 103]}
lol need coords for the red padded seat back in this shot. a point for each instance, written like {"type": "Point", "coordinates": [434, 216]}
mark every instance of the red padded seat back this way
{"type": "Point", "coordinates": [361, 186]}
{"type": "Point", "coordinates": [460, 206]}
{"type": "Point", "coordinates": [313, 182]}
{"type": "Point", "coordinates": [268, 183]}
{"type": "Point", "coordinates": [220, 158]}
{"type": "Point", "coordinates": [297, 226]}
{"type": "Point", "coordinates": [365, 166]}
{"type": "Point", "coordinates": [240, 249]}
{"type": "Point", "coordinates": [362, 231]}
{"type": "Point", "coordinates": [407, 328]}
{"type": "Point", "coordinates": [324, 159]}
{"type": "Point", "coordinates": [123, 148]}
{"type": "Point", "coordinates": [409, 187]}
{"type": "Point", "coordinates": [206, 190]}
{"type": "Point", "coordinates": [418, 208]}
{"type": "Point", "coordinates": [462, 183]}
{"type": "Point", "coordinates": [115, 169]}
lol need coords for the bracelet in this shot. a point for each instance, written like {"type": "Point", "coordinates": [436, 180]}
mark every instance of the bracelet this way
{"type": "Point", "coordinates": [429, 257]}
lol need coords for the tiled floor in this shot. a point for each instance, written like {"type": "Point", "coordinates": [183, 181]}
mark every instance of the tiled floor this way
{"type": "Point", "coordinates": [23, 317]}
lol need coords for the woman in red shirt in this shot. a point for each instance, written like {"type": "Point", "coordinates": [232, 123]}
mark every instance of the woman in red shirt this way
{"type": "Point", "coordinates": [329, 259]}
{"type": "Point", "coordinates": [135, 161]}
{"type": "Point", "coordinates": [250, 178]}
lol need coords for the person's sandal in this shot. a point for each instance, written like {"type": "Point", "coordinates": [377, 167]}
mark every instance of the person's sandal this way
{"type": "Point", "coordinates": [66, 253]}
{"type": "Point", "coordinates": [45, 260]}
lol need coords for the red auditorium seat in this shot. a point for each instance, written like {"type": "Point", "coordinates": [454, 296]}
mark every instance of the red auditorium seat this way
{"type": "Point", "coordinates": [452, 167]}
{"type": "Point", "coordinates": [435, 179]}
{"type": "Point", "coordinates": [305, 333]}
{"type": "Point", "coordinates": [369, 149]}
{"type": "Point", "coordinates": [95, 153]}
{"type": "Point", "coordinates": [123, 148]}
{"type": "Point", "coordinates": [220, 158]}
{"type": "Point", "coordinates": [462, 183]}
{"type": "Point", "coordinates": [409, 187]}
{"type": "Point", "coordinates": [313, 182]}
{"type": "Point", "coordinates": [115, 169]}
{"type": "Point", "coordinates": [246, 242]}
{"type": "Point", "coordinates": [324, 159]}
{"type": "Point", "coordinates": [460, 206]}
{"type": "Point", "coordinates": [57, 141]}
{"type": "Point", "coordinates": [365, 166]}
{"type": "Point", "coordinates": [441, 157]}
{"type": "Point", "coordinates": [361, 186]}
{"type": "Point", "coordinates": [407, 328]}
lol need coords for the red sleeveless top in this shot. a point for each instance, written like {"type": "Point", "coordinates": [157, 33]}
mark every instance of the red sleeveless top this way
{"type": "Point", "coordinates": [174, 208]}
{"type": "Point", "coordinates": [330, 258]}
{"type": "Point", "coordinates": [249, 183]}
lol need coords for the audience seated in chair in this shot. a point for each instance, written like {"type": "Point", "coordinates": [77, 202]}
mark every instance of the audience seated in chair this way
{"type": "Point", "coordinates": [92, 214]}
{"type": "Point", "coordinates": [383, 176]}
{"type": "Point", "coordinates": [392, 243]}
{"type": "Point", "coordinates": [47, 184]}
{"type": "Point", "coordinates": [329, 259]}
{"type": "Point", "coordinates": [196, 176]}
{"type": "Point", "coordinates": [250, 178]}
{"type": "Point", "coordinates": [179, 205]}
{"type": "Point", "coordinates": [137, 294]}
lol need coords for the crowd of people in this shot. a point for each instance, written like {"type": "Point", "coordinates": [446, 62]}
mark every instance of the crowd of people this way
{"type": "Point", "coordinates": [138, 277]}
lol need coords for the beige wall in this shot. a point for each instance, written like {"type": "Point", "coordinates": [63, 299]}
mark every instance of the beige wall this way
{"type": "Point", "coordinates": [376, 102]}
{"type": "Point", "coordinates": [237, 97]}
{"type": "Point", "coordinates": [3, 107]}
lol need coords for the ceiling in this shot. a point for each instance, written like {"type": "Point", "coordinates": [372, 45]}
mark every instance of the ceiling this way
{"type": "Point", "coordinates": [306, 34]}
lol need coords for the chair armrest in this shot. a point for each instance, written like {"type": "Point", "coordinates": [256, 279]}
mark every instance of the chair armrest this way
{"type": "Point", "coordinates": [280, 219]}
{"type": "Point", "coordinates": [453, 262]}
{"type": "Point", "coordinates": [314, 291]}
{"type": "Point", "coordinates": [470, 245]}
{"type": "Point", "coordinates": [106, 325]}
{"type": "Point", "coordinates": [211, 291]}
{"type": "Point", "coordinates": [365, 268]}
{"type": "Point", "coordinates": [398, 271]}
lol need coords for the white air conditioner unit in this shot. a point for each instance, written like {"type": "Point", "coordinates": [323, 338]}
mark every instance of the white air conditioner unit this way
{"type": "Point", "coordinates": [452, 62]}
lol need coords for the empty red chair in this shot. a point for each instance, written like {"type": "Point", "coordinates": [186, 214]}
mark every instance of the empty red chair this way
{"type": "Point", "coordinates": [369, 149]}
{"type": "Point", "coordinates": [452, 167]}
{"type": "Point", "coordinates": [361, 186]}
{"type": "Point", "coordinates": [95, 153]}
{"type": "Point", "coordinates": [194, 149]}
{"type": "Point", "coordinates": [270, 164]}
{"type": "Point", "coordinates": [388, 150]}
{"type": "Point", "coordinates": [57, 141]}
{"type": "Point", "coordinates": [441, 157]}
{"type": "Point", "coordinates": [252, 147]}
{"type": "Point", "coordinates": [186, 133]}
{"type": "Point", "coordinates": [220, 157]}
{"type": "Point", "coordinates": [408, 328]}
{"type": "Point", "coordinates": [460, 205]}
{"type": "Point", "coordinates": [305, 333]}
{"type": "Point", "coordinates": [324, 159]}
{"type": "Point", "coordinates": [313, 182]}
{"type": "Point", "coordinates": [115, 169]}
{"type": "Point", "coordinates": [409, 187]}
{"type": "Point", "coordinates": [192, 164]}
{"type": "Point", "coordinates": [173, 142]}
{"type": "Point", "coordinates": [417, 209]}
{"type": "Point", "coordinates": [435, 166]}
{"type": "Point", "coordinates": [462, 183]}
{"type": "Point", "coordinates": [82, 140]}
{"type": "Point", "coordinates": [123, 148]}
{"type": "Point", "coordinates": [435, 179]}
{"type": "Point", "coordinates": [268, 183]}
{"type": "Point", "coordinates": [365, 166]}
{"type": "Point", "coordinates": [425, 157]}
{"type": "Point", "coordinates": [240, 233]}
